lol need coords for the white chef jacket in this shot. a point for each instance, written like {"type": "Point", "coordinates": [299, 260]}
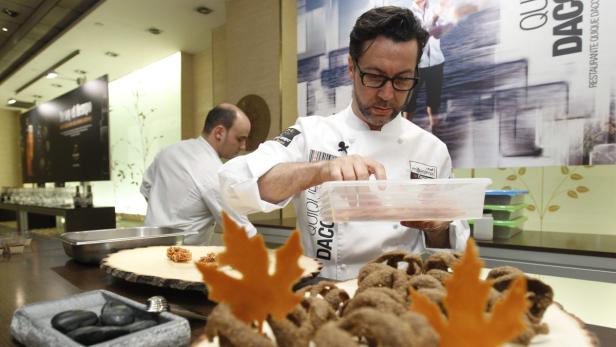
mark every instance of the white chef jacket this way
{"type": "Point", "coordinates": [182, 190]}
{"type": "Point", "coordinates": [344, 248]}
{"type": "Point", "coordinates": [432, 53]}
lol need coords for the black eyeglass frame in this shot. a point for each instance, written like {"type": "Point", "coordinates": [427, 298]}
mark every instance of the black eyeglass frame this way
{"type": "Point", "coordinates": [385, 79]}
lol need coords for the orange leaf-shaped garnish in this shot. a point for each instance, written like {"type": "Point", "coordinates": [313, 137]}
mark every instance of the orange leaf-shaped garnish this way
{"type": "Point", "coordinates": [467, 323]}
{"type": "Point", "coordinates": [257, 293]}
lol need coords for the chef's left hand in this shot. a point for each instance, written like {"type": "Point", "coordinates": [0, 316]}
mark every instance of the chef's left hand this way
{"type": "Point", "coordinates": [427, 226]}
{"type": "Point", "coordinates": [436, 232]}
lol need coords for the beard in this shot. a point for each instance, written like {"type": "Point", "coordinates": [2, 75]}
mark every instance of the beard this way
{"type": "Point", "coordinates": [365, 109]}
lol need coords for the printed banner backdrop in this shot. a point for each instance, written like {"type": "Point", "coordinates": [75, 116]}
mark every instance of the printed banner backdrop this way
{"type": "Point", "coordinates": [524, 82]}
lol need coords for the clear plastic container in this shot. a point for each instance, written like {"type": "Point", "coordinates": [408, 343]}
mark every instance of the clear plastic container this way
{"type": "Point", "coordinates": [505, 197]}
{"type": "Point", "coordinates": [505, 229]}
{"type": "Point", "coordinates": [505, 212]}
{"type": "Point", "coordinates": [402, 200]}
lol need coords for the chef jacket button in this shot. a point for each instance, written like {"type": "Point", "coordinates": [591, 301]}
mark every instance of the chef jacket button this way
{"type": "Point", "coordinates": [396, 226]}
{"type": "Point", "coordinates": [400, 140]}
{"type": "Point", "coordinates": [343, 267]}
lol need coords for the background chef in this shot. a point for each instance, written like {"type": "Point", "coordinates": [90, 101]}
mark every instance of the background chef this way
{"type": "Point", "coordinates": [367, 138]}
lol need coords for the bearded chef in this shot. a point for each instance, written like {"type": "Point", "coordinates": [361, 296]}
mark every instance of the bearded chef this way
{"type": "Point", "coordinates": [368, 138]}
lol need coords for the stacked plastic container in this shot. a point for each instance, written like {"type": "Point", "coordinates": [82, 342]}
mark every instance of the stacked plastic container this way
{"type": "Point", "coordinates": [507, 209]}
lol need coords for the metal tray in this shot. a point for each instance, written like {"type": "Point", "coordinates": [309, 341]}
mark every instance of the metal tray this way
{"type": "Point", "coordinates": [31, 324]}
{"type": "Point", "coordinates": [93, 245]}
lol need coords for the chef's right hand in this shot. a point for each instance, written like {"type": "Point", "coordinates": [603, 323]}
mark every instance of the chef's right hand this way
{"type": "Point", "coordinates": [351, 168]}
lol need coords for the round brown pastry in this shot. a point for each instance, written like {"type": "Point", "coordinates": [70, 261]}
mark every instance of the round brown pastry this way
{"type": "Point", "coordinates": [179, 254]}
{"type": "Point", "coordinates": [401, 259]}
{"type": "Point", "coordinates": [440, 275]}
{"type": "Point", "coordinates": [382, 299]}
{"type": "Point", "coordinates": [330, 293]}
{"type": "Point", "coordinates": [426, 281]}
{"type": "Point", "coordinates": [209, 259]}
{"type": "Point", "coordinates": [378, 329]}
{"type": "Point", "coordinates": [231, 331]}
{"type": "Point", "coordinates": [381, 275]}
{"type": "Point", "coordinates": [441, 260]}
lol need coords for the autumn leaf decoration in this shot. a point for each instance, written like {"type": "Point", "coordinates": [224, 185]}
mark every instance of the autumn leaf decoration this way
{"type": "Point", "coordinates": [467, 323]}
{"type": "Point", "coordinates": [257, 293]}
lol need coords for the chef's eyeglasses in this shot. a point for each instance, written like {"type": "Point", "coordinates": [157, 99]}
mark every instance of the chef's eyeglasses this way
{"type": "Point", "coordinates": [371, 80]}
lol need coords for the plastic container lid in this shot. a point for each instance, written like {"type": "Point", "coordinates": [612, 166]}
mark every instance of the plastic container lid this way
{"type": "Point", "coordinates": [402, 200]}
{"type": "Point", "coordinates": [510, 223]}
{"type": "Point", "coordinates": [508, 208]}
{"type": "Point", "coordinates": [512, 192]}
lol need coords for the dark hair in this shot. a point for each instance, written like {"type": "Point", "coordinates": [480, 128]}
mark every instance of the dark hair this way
{"type": "Point", "coordinates": [219, 115]}
{"type": "Point", "coordinates": [396, 23]}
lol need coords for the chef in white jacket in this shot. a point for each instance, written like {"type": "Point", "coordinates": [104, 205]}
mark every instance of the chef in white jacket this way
{"type": "Point", "coordinates": [368, 138]}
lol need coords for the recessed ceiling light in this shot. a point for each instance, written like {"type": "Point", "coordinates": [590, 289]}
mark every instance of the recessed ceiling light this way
{"type": "Point", "coordinates": [52, 74]}
{"type": "Point", "coordinates": [204, 10]}
{"type": "Point", "coordinates": [11, 101]}
{"type": "Point", "coordinates": [111, 54]}
{"type": "Point", "coordinates": [154, 31]}
{"type": "Point", "coordinates": [5, 29]}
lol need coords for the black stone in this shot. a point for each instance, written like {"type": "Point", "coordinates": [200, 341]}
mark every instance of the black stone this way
{"type": "Point", "coordinates": [95, 334]}
{"type": "Point", "coordinates": [70, 320]}
{"type": "Point", "coordinates": [116, 314]}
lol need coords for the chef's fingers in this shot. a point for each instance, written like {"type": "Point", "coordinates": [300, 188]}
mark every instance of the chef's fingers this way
{"type": "Point", "coordinates": [348, 170]}
{"type": "Point", "coordinates": [361, 170]}
{"type": "Point", "coordinates": [376, 168]}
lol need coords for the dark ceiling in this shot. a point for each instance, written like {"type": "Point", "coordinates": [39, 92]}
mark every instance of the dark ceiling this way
{"type": "Point", "coordinates": [31, 25]}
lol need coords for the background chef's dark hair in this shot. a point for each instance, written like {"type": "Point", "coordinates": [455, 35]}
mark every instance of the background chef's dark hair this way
{"type": "Point", "coordinates": [396, 23]}
{"type": "Point", "coordinates": [219, 115]}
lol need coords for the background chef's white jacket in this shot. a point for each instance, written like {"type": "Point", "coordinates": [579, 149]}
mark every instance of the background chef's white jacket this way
{"type": "Point", "coordinates": [344, 247]}
{"type": "Point", "coordinates": [182, 190]}
{"type": "Point", "coordinates": [432, 53]}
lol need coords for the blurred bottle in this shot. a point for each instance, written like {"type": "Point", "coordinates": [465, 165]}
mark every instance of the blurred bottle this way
{"type": "Point", "coordinates": [29, 149]}
{"type": "Point", "coordinates": [77, 199]}
{"type": "Point", "coordinates": [89, 198]}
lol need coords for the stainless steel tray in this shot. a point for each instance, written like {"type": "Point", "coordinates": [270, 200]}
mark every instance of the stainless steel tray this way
{"type": "Point", "coordinates": [93, 245]}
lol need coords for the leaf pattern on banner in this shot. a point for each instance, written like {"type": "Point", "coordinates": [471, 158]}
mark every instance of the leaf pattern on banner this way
{"type": "Point", "coordinates": [466, 323]}
{"type": "Point", "coordinates": [544, 203]}
{"type": "Point", "coordinates": [257, 294]}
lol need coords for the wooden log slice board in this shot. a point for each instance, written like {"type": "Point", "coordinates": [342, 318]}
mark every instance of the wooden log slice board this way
{"type": "Point", "coordinates": [150, 265]}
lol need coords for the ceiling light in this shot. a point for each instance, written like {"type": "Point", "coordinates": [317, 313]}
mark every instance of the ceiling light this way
{"type": "Point", "coordinates": [204, 10]}
{"type": "Point", "coordinates": [51, 68]}
{"type": "Point", "coordinates": [52, 74]}
{"type": "Point", "coordinates": [12, 102]}
{"type": "Point", "coordinates": [111, 54]}
{"type": "Point", "coordinates": [5, 29]}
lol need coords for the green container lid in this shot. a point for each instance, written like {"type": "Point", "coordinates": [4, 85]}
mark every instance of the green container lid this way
{"type": "Point", "coordinates": [509, 208]}
{"type": "Point", "coordinates": [510, 223]}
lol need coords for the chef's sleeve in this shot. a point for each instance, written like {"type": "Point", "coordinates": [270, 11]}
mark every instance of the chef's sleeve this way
{"type": "Point", "coordinates": [214, 202]}
{"type": "Point", "coordinates": [238, 177]}
{"type": "Point", "coordinates": [148, 178]}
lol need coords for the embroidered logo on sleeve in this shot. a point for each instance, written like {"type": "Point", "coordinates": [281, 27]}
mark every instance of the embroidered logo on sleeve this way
{"type": "Point", "coordinates": [286, 136]}
{"type": "Point", "coordinates": [320, 156]}
{"type": "Point", "coordinates": [421, 171]}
